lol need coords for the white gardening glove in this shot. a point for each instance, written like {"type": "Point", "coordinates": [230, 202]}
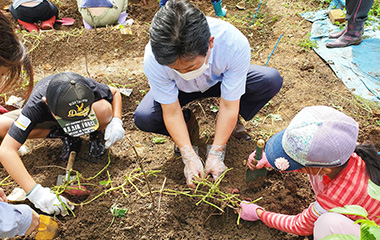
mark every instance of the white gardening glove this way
{"type": "Point", "coordinates": [214, 163]}
{"type": "Point", "coordinates": [193, 165]}
{"type": "Point", "coordinates": [114, 132]}
{"type": "Point", "coordinates": [45, 200]}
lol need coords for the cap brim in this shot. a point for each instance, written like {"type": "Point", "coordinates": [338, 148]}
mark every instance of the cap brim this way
{"type": "Point", "coordinates": [274, 150]}
{"type": "Point", "coordinates": [86, 125]}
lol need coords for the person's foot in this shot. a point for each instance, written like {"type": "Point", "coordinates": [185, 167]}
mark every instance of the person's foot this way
{"type": "Point", "coordinates": [70, 144]}
{"type": "Point", "coordinates": [344, 41]}
{"type": "Point", "coordinates": [97, 147]}
{"type": "Point", "coordinates": [30, 27]}
{"type": "Point", "coordinates": [239, 132]}
{"type": "Point", "coordinates": [48, 24]}
{"type": "Point", "coordinates": [335, 35]}
{"type": "Point", "coordinates": [352, 36]}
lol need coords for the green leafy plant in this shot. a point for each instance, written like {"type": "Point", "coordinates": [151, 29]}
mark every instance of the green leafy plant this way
{"type": "Point", "coordinates": [116, 212]}
{"type": "Point", "coordinates": [158, 140]}
{"type": "Point", "coordinates": [369, 230]}
{"type": "Point", "coordinates": [108, 181]}
{"type": "Point", "coordinates": [307, 44]}
{"type": "Point", "coordinates": [214, 108]}
{"type": "Point", "coordinates": [375, 9]}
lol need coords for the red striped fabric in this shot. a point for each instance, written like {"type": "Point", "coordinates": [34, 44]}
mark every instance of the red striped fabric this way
{"type": "Point", "coordinates": [348, 188]}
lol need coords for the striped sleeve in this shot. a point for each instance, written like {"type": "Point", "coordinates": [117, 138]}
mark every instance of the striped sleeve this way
{"type": "Point", "coordinates": [301, 224]}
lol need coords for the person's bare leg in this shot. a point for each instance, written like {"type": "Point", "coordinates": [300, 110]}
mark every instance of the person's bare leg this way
{"type": "Point", "coordinates": [6, 122]}
{"type": "Point", "coordinates": [103, 111]}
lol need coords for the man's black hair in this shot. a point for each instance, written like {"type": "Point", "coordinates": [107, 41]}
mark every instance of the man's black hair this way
{"type": "Point", "coordinates": [179, 30]}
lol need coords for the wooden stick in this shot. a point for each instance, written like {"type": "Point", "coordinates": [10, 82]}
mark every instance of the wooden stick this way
{"type": "Point", "coordinates": [162, 189]}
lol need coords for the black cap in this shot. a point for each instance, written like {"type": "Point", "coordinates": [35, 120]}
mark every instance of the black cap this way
{"type": "Point", "coordinates": [69, 98]}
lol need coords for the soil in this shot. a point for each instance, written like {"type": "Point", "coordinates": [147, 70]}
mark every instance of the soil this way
{"type": "Point", "coordinates": [116, 59]}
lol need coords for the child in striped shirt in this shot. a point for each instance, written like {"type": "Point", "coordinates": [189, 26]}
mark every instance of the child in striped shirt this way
{"type": "Point", "coordinates": [321, 142]}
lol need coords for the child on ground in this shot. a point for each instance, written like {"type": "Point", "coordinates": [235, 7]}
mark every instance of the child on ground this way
{"type": "Point", "coordinates": [14, 219]}
{"type": "Point", "coordinates": [65, 106]}
{"type": "Point", "coordinates": [321, 142]}
{"type": "Point", "coordinates": [100, 13]}
{"type": "Point", "coordinates": [30, 12]}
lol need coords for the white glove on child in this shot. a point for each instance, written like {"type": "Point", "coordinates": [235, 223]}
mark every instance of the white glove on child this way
{"type": "Point", "coordinates": [45, 200]}
{"type": "Point", "coordinates": [114, 132]}
{"type": "Point", "coordinates": [193, 165]}
{"type": "Point", "coordinates": [214, 163]}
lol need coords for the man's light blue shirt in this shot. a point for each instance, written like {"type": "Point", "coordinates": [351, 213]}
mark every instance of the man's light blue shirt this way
{"type": "Point", "coordinates": [14, 219]}
{"type": "Point", "coordinates": [228, 63]}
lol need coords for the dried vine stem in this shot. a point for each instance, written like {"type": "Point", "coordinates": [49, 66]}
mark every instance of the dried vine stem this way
{"type": "Point", "coordinates": [142, 169]}
{"type": "Point", "coordinates": [209, 193]}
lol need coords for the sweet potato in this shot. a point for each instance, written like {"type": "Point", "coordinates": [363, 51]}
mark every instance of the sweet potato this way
{"type": "Point", "coordinates": [76, 193]}
{"type": "Point", "coordinates": [233, 190]}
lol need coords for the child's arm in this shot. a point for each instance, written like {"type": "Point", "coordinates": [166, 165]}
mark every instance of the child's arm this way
{"type": "Point", "coordinates": [300, 224]}
{"type": "Point", "coordinates": [12, 163]}
{"type": "Point", "coordinates": [41, 197]}
{"type": "Point", "coordinates": [114, 130]}
{"type": "Point", "coordinates": [116, 103]}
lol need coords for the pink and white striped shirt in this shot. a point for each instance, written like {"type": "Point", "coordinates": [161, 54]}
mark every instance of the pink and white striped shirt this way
{"type": "Point", "coordinates": [348, 188]}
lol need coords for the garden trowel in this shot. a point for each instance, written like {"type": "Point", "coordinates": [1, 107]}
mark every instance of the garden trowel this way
{"type": "Point", "coordinates": [251, 175]}
{"type": "Point", "coordinates": [66, 21]}
{"type": "Point", "coordinates": [61, 179]}
{"type": "Point", "coordinates": [48, 228]}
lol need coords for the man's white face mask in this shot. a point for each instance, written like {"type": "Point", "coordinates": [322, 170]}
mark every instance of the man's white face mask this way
{"type": "Point", "coordinates": [195, 73]}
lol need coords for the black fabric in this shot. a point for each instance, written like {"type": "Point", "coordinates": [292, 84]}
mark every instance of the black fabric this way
{"type": "Point", "coordinates": [97, 147]}
{"type": "Point", "coordinates": [66, 88]}
{"type": "Point", "coordinates": [37, 111]}
{"type": "Point", "coordinates": [357, 10]}
{"type": "Point", "coordinates": [42, 12]}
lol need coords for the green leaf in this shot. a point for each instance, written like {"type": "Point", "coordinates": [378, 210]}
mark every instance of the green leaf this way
{"type": "Point", "coordinates": [373, 190]}
{"type": "Point", "coordinates": [116, 211]}
{"type": "Point", "coordinates": [375, 231]}
{"type": "Point", "coordinates": [214, 108]}
{"type": "Point", "coordinates": [157, 139]}
{"type": "Point", "coordinates": [275, 117]}
{"type": "Point", "coordinates": [119, 212]}
{"type": "Point", "coordinates": [364, 231]}
{"type": "Point", "coordinates": [341, 237]}
{"type": "Point", "coordinates": [105, 183]}
{"type": "Point", "coordinates": [351, 210]}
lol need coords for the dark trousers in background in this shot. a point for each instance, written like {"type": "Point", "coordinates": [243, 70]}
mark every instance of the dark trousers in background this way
{"type": "Point", "coordinates": [42, 12]}
{"type": "Point", "coordinates": [357, 10]}
{"type": "Point", "coordinates": [262, 84]}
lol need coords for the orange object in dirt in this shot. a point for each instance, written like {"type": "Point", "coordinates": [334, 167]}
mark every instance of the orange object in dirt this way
{"type": "Point", "coordinates": [48, 228]}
